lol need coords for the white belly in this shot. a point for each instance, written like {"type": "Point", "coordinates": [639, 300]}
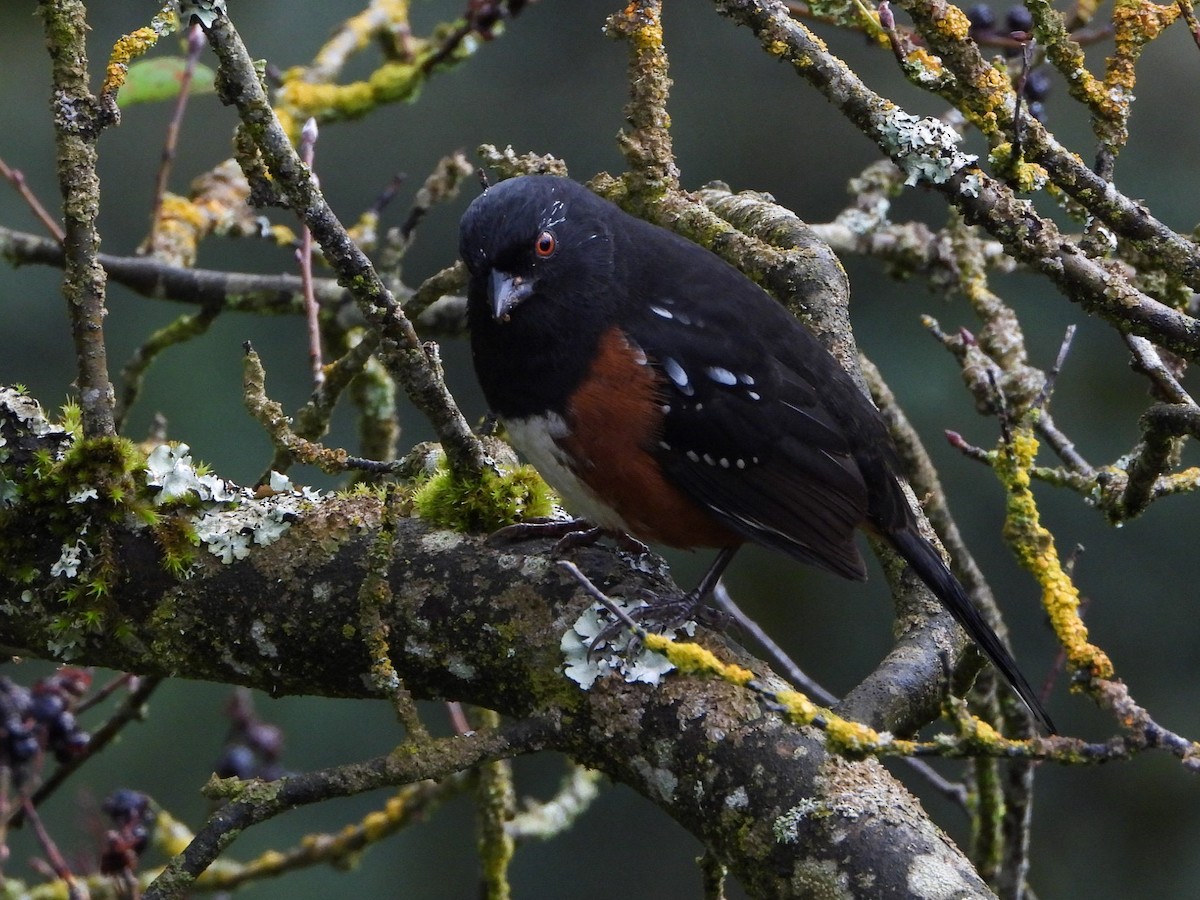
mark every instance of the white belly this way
{"type": "Point", "coordinates": [536, 439]}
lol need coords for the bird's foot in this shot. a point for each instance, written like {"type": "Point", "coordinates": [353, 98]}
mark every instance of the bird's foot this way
{"type": "Point", "coordinates": [660, 615]}
{"type": "Point", "coordinates": [571, 533]}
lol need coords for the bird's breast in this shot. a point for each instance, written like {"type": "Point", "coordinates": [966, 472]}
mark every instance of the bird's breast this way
{"type": "Point", "coordinates": [598, 453]}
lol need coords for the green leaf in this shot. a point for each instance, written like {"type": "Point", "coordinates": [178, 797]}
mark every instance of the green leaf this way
{"type": "Point", "coordinates": [158, 79]}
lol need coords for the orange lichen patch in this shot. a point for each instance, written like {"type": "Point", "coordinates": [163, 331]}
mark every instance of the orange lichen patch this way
{"type": "Point", "coordinates": [1135, 24]}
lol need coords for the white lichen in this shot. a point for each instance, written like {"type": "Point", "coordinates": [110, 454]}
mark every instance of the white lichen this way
{"type": "Point", "coordinates": [169, 468]}
{"type": "Point", "coordinates": [931, 877]}
{"type": "Point", "coordinates": [971, 185]}
{"type": "Point", "coordinates": [584, 664]}
{"type": "Point", "coordinates": [227, 519]}
{"type": "Point", "coordinates": [787, 826]}
{"type": "Point", "coordinates": [925, 148]}
{"type": "Point", "coordinates": [69, 560]}
{"type": "Point", "coordinates": [739, 799]}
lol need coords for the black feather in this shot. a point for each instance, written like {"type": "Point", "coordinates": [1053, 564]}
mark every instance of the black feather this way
{"type": "Point", "coordinates": [928, 564]}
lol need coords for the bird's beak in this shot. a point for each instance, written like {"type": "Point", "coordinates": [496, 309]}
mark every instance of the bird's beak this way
{"type": "Point", "coordinates": [506, 292]}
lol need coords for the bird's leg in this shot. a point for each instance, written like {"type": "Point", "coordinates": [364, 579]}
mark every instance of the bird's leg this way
{"type": "Point", "coordinates": [708, 583]}
{"type": "Point", "coordinates": [571, 533]}
{"type": "Point", "coordinates": [662, 614]}
{"type": "Point", "coordinates": [673, 611]}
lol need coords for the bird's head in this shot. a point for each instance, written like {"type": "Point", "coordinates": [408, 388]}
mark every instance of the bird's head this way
{"type": "Point", "coordinates": [536, 240]}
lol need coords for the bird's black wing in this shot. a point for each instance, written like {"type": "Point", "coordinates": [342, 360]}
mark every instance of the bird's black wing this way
{"type": "Point", "coordinates": [748, 428]}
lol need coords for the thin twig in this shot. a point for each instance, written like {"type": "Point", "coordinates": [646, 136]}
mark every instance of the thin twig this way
{"type": "Point", "coordinates": [1042, 400]}
{"type": "Point", "coordinates": [158, 280]}
{"type": "Point", "coordinates": [1189, 15]}
{"type": "Point", "coordinates": [17, 179]}
{"type": "Point", "coordinates": [1062, 445]}
{"type": "Point", "coordinates": [79, 119]}
{"type": "Point", "coordinates": [195, 45]}
{"type": "Point", "coordinates": [776, 654]}
{"type": "Point", "coordinates": [57, 863]}
{"type": "Point", "coordinates": [415, 365]}
{"type": "Point", "coordinates": [436, 759]}
{"type": "Point", "coordinates": [308, 146]}
{"type": "Point", "coordinates": [1149, 363]}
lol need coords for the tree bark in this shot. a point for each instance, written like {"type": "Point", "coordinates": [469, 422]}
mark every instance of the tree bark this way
{"type": "Point", "coordinates": [472, 622]}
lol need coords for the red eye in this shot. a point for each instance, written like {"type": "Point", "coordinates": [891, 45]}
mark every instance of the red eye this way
{"type": "Point", "coordinates": [545, 244]}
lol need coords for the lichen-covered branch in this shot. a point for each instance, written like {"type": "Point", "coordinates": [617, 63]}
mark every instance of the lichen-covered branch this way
{"type": "Point", "coordinates": [414, 365]}
{"type": "Point", "coordinates": [927, 152]}
{"type": "Point", "coordinates": [250, 803]}
{"type": "Point", "coordinates": [79, 117]}
{"type": "Point", "coordinates": [480, 624]}
{"type": "Point", "coordinates": [647, 145]}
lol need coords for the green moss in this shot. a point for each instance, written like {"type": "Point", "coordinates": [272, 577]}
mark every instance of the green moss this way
{"type": "Point", "coordinates": [491, 502]}
{"type": "Point", "coordinates": [60, 523]}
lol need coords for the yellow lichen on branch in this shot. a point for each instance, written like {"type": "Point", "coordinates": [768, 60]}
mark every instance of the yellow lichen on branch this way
{"type": "Point", "coordinates": [1034, 547]}
{"type": "Point", "coordinates": [130, 46]}
{"type": "Point", "coordinates": [692, 659]}
{"type": "Point", "coordinates": [1135, 24]}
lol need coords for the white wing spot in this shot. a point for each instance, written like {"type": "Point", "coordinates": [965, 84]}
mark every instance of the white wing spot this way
{"type": "Point", "coordinates": [691, 455]}
{"type": "Point", "coordinates": [754, 395]}
{"type": "Point", "coordinates": [746, 379]}
{"type": "Point", "coordinates": [698, 406]}
{"type": "Point", "coordinates": [666, 409]}
{"type": "Point", "coordinates": [721, 376]}
{"type": "Point", "coordinates": [660, 311]}
{"type": "Point", "coordinates": [724, 463]}
{"type": "Point", "coordinates": [741, 463]}
{"type": "Point", "coordinates": [664, 445]}
{"type": "Point", "coordinates": [676, 373]}
{"type": "Point", "coordinates": [708, 459]}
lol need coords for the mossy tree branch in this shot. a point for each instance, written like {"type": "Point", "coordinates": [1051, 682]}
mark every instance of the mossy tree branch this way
{"type": "Point", "coordinates": [414, 365]}
{"type": "Point", "coordinates": [79, 117]}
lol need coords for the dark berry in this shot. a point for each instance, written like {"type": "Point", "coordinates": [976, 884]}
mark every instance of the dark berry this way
{"type": "Point", "coordinates": [71, 746]}
{"type": "Point", "coordinates": [982, 18]}
{"type": "Point", "coordinates": [124, 806]}
{"type": "Point", "coordinates": [46, 707]}
{"type": "Point", "coordinates": [264, 739]}
{"type": "Point", "coordinates": [237, 761]}
{"type": "Point", "coordinates": [21, 744]}
{"type": "Point", "coordinates": [60, 726]}
{"type": "Point", "coordinates": [139, 835]}
{"type": "Point", "coordinates": [14, 698]}
{"type": "Point", "coordinates": [73, 682]}
{"type": "Point", "coordinates": [1019, 19]}
{"type": "Point", "coordinates": [1037, 84]}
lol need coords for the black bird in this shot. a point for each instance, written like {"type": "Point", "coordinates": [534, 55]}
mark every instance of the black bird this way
{"type": "Point", "coordinates": [665, 395]}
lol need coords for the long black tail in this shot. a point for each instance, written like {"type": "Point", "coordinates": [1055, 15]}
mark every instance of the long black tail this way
{"type": "Point", "coordinates": [926, 562]}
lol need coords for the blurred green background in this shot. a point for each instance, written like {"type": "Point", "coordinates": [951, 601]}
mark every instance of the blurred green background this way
{"type": "Point", "coordinates": [553, 83]}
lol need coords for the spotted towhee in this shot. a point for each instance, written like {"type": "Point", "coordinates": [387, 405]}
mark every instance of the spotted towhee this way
{"type": "Point", "coordinates": [665, 395]}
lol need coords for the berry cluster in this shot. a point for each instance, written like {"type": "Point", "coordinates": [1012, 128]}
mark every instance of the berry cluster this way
{"type": "Point", "coordinates": [33, 720]}
{"type": "Point", "coordinates": [1034, 83]}
{"type": "Point", "coordinates": [132, 817]}
{"type": "Point", "coordinates": [1018, 22]}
